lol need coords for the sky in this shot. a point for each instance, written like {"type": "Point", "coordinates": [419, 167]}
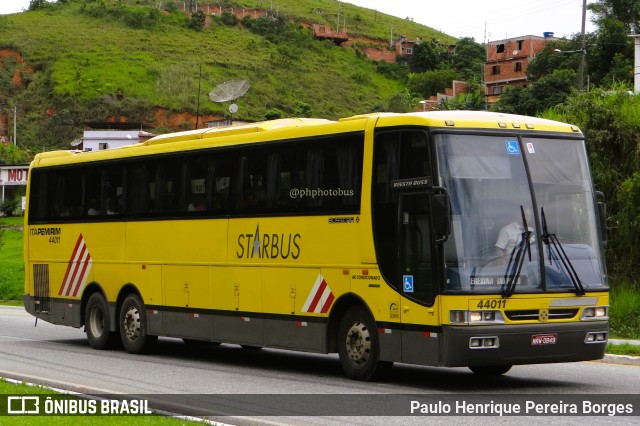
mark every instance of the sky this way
{"type": "Point", "coordinates": [488, 20]}
{"type": "Point", "coordinates": [484, 20]}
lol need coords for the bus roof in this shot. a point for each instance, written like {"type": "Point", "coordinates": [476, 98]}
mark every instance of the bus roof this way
{"type": "Point", "coordinates": [476, 120]}
{"type": "Point", "coordinates": [304, 127]}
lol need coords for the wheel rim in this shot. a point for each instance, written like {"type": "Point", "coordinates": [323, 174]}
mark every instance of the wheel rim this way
{"type": "Point", "coordinates": [96, 321]}
{"type": "Point", "coordinates": [358, 343]}
{"type": "Point", "coordinates": [131, 323]}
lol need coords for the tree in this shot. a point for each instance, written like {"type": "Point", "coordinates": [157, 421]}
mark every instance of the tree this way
{"type": "Point", "coordinates": [611, 44]}
{"type": "Point", "coordinates": [548, 91]}
{"type": "Point", "coordinates": [423, 58]}
{"type": "Point", "coordinates": [430, 83]}
{"type": "Point", "coordinates": [548, 60]}
{"type": "Point", "coordinates": [468, 59]}
{"type": "Point", "coordinates": [625, 11]}
{"type": "Point", "coordinates": [402, 102]}
{"type": "Point", "coordinates": [609, 121]}
{"type": "Point", "coordinates": [197, 20]}
{"type": "Point", "coordinates": [473, 101]}
{"type": "Point", "coordinates": [38, 4]}
{"type": "Point", "coordinates": [11, 154]}
{"type": "Point", "coordinates": [229, 19]}
{"type": "Point", "coordinates": [611, 40]}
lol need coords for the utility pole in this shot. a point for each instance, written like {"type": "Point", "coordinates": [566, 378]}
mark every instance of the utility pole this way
{"type": "Point", "coordinates": [583, 52]}
{"type": "Point", "coordinates": [15, 116]}
{"type": "Point", "coordinates": [391, 39]}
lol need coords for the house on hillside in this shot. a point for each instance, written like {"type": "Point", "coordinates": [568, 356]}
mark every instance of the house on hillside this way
{"type": "Point", "coordinates": [507, 62]}
{"type": "Point", "coordinates": [404, 47]}
{"type": "Point", "coordinates": [325, 32]}
{"type": "Point", "coordinates": [96, 140]}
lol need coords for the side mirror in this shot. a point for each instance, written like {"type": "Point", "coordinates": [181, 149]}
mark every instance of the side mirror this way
{"type": "Point", "coordinates": [441, 214]}
{"type": "Point", "coordinates": [602, 215]}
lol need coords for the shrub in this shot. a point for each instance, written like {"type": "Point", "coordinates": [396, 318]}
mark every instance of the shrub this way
{"type": "Point", "coordinates": [229, 19]}
{"type": "Point", "coordinates": [8, 207]}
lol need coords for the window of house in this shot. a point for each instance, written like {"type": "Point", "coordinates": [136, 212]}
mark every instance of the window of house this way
{"type": "Point", "coordinates": [496, 90]}
{"type": "Point", "coordinates": [495, 69]}
{"type": "Point", "coordinates": [517, 67]}
{"type": "Point", "coordinates": [520, 44]}
{"type": "Point", "coordinates": [500, 48]}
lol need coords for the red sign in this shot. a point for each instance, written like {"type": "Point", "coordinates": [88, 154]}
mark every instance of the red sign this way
{"type": "Point", "coordinates": [14, 175]}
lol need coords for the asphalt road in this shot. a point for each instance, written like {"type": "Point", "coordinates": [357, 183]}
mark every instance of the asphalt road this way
{"type": "Point", "coordinates": [306, 388]}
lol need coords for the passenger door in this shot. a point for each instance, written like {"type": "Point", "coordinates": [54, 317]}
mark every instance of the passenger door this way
{"type": "Point", "coordinates": [415, 254]}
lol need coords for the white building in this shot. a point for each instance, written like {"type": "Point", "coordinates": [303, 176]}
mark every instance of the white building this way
{"type": "Point", "coordinates": [95, 140]}
{"type": "Point", "coordinates": [13, 181]}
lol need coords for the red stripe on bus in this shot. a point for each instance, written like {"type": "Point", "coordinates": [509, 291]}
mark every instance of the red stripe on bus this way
{"type": "Point", "coordinates": [327, 304]}
{"type": "Point", "coordinates": [70, 266]}
{"type": "Point", "coordinates": [82, 276]}
{"type": "Point", "coordinates": [317, 296]}
{"type": "Point", "coordinates": [76, 268]}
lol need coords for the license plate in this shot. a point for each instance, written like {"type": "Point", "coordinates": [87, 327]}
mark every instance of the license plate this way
{"type": "Point", "coordinates": [544, 339]}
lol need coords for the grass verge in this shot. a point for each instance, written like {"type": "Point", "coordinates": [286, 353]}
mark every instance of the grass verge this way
{"type": "Point", "coordinates": [624, 349]}
{"type": "Point", "coordinates": [8, 388]}
{"type": "Point", "coordinates": [11, 260]}
{"type": "Point", "coordinates": [624, 312]}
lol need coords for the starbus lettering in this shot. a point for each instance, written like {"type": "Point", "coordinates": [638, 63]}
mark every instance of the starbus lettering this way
{"type": "Point", "coordinates": [268, 246]}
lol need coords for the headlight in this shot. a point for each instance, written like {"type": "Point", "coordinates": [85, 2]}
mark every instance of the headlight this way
{"type": "Point", "coordinates": [458, 317]}
{"type": "Point", "coordinates": [476, 317]}
{"type": "Point", "coordinates": [595, 313]}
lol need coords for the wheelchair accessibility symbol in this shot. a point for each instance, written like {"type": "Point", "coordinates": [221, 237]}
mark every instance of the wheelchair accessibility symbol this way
{"type": "Point", "coordinates": [407, 283]}
{"type": "Point", "coordinates": [512, 147]}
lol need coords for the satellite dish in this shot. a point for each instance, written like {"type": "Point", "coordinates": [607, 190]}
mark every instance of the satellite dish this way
{"type": "Point", "coordinates": [233, 108]}
{"type": "Point", "coordinates": [229, 91]}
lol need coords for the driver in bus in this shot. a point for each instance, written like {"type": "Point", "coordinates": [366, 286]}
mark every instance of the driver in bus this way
{"type": "Point", "coordinates": [511, 235]}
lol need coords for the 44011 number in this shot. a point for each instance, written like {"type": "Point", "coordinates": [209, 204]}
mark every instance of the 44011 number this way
{"type": "Point", "coordinates": [492, 304]}
{"type": "Point", "coordinates": [54, 240]}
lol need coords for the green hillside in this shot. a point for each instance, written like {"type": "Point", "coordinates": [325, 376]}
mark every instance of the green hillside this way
{"type": "Point", "coordinates": [82, 61]}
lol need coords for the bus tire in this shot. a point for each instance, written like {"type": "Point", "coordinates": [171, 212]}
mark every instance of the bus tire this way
{"type": "Point", "coordinates": [490, 370]}
{"type": "Point", "coordinates": [358, 346]}
{"type": "Point", "coordinates": [133, 326]}
{"type": "Point", "coordinates": [96, 323]}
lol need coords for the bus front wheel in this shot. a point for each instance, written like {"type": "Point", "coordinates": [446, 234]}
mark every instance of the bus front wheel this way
{"type": "Point", "coordinates": [133, 326]}
{"type": "Point", "coordinates": [358, 346]}
{"type": "Point", "coordinates": [96, 323]}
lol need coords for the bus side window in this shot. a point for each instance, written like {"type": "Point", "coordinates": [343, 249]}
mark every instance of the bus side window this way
{"type": "Point", "coordinates": [196, 186]}
{"type": "Point", "coordinates": [138, 193]}
{"type": "Point", "coordinates": [69, 194]}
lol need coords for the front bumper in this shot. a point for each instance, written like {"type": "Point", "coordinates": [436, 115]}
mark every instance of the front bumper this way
{"type": "Point", "coordinates": [514, 344]}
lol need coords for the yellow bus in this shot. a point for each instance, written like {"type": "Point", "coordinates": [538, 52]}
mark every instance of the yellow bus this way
{"type": "Point", "coordinates": [437, 238]}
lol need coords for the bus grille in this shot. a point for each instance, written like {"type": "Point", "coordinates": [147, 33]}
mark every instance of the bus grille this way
{"type": "Point", "coordinates": [534, 314]}
{"type": "Point", "coordinates": [41, 295]}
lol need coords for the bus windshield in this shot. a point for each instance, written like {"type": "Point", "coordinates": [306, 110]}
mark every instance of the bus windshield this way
{"type": "Point", "coordinates": [524, 216]}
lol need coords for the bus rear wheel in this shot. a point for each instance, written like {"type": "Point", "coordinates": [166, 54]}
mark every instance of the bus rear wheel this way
{"type": "Point", "coordinates": [96, 323]}
{"type": "Point", "coordinates": [490, 370]}
{"type": "Point", "coordinates": [133, 326]}
{"type": "Point", "coordinates": [358, 346]}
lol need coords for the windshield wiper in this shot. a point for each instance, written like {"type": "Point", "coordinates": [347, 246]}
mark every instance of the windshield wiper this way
{"type": "Point", "coordinates": [556, 251]}
{"type": "Point", "coordinates": [517, 259]}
